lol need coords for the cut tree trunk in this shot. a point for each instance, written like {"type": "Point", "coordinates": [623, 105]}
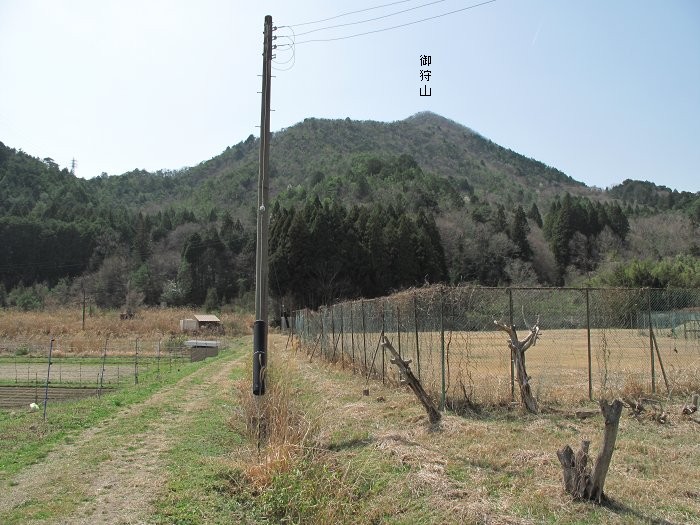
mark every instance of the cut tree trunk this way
{"type": "Point", "coordinates": [412, 381]}
{"type": "Point", "coordinates": [691, 407]}
{"type": "Point", "coordinates": [579, 480]}
{"type": "Point", "coordinates": [518, 349]}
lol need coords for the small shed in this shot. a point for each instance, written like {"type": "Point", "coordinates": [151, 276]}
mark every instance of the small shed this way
{"type": "Point", "coordinates": [201, 322]}
{"type": "Point", "coordinates": [205, 321]}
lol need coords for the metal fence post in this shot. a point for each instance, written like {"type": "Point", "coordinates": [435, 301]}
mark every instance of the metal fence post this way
{"type": "Point", "coordinates": [102, 370]}
{"type": "Point", "coordinates": [48, 375]}
{"type": "Point", "coordinates": [320, 311]}
{"type": "Point", "coordinates": [588, 334]}
{"type": "Point", "coordinates": [415, 326]}
{"type": "Point", "coordinates": [333, 331]}
{"type": "Point", "coordinates": [442, 347]}
{"type": "Point", "coordinates": [651, 344]}
{"type": "Point", "coordinates": [136, 363]}
{"type": "Point", "coordinates": [512, 366]}
{"type": "Point", "coordinates": [398, 327]}
{"type": "Point", "coordinates": [364, 332]}
{"type": "Point", "coordinates": [342, 338]}
{"type": "Point", "coordinates": [352, 336]}
{"type": "Point", "coordinates": [383, 349]}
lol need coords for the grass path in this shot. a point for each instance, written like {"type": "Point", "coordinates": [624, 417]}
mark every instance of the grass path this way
{"type": "Point", "coordinates": [112, 473]}
{"type": "Point", "coordinates": [181, 456]}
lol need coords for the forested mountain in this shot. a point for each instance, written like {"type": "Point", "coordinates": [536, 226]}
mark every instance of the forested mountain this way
{"type": "Point", "coordinates": [360, 209]}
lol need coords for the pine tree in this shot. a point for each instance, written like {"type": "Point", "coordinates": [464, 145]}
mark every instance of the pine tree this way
{"type": "Point", "coordinates": [500, 223]}
{"type": "Point", "coordinates": [518, 234]}
{"type": "Point", "coordinates": [534, 214]}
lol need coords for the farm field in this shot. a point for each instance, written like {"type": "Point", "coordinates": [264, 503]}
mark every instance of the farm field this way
{"type": "Point", "coordinates": [183, 450]}
{"type": "Point", "coordinates": [22, 396]}
{"type": "Point", "coordinates": [620, 362]}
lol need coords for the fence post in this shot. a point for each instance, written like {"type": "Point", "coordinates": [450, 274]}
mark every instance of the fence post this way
{"type": "Point", "coordinates": [342, 338]}
{"type": "Point", "coordinates": [102, 371]}
{"type": "Point", "coordinates": [320, 310]}
{"type": "Point", "coordinates": [398, 327]}
{"type": "Point", "coordinates": [415, 326]}
{"type": "Point", "coordinates": [651, 344]}
{"type": "Point", "coordinates": [383, 349]}
{"type": "Point", "coordinates": [48, 375]}
{"type": "Point", "coordinates": [588, 334]}
{"type": "Point", "coordinates": [364, 332]}
{"type": "Point", "coordinates": [352, 336]}
{"type": "Point", "coordinates": [512, 367]}
{"type": "Point", "coordinates": [442, 346]}
{"type": "Point", "coordinates": [333, 331]}
{"type": "Point", "coordinates": [136, 363]}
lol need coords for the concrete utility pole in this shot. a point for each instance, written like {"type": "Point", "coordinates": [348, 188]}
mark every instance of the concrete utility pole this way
{"type": "Point", "coordinates": [261, 262]}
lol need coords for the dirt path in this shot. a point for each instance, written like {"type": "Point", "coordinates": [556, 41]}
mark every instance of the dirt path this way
{"type": "Point", "coordinates": [111, 473]}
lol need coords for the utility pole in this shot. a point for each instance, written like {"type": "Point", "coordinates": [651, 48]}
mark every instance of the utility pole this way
{"type": "Point", "coordinates": [261, 262]}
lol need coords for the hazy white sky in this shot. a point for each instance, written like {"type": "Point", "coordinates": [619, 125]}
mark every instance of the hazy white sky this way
{"type": "Point", "coordinates": [602, 90]}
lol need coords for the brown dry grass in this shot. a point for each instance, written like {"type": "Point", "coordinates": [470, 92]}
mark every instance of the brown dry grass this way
{"type": "Point", "coordinates": [479, 363]}
{"type": "Point", "coordinates": [498, 468]}
{"type": "Point", "coordinates": [65, 325]}
{"type": "Point", "coordinates": [274, 424]}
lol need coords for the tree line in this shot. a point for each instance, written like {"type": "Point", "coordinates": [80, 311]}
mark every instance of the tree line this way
{"type": "Point", "coordinates": [382, 226]}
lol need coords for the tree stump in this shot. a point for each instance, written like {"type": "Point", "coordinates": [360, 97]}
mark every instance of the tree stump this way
{"type": "Point", "coordinates": [412, 381]}
{"type": "Point", "coordinates": [691, 407]}
{"type": "Point", "coordinates": [579, 480]}
{"type": "Point", "coordinates": [518, 349]}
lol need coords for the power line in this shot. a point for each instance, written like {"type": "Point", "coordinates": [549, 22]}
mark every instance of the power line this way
{"type": "Point", "coordinates": [372, 19]}
{"type": "Point", "coordinates": [397, 26]}
{"type": "Point", "coordinates": [348, 13]}
{"type": "Point", "coordinates": [292, 58]}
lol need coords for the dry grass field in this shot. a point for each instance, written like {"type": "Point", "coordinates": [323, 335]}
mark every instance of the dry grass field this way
{"type": "Point", "coordinates": [35, 329]}
{"type": "Point", "coordinates": [478, 363]}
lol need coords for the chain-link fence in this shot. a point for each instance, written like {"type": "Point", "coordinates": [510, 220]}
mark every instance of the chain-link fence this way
{"type": "Point", "coordinates": [594, 342]}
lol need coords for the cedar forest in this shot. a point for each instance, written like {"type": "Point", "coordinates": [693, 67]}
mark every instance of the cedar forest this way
{"type": "Point", "coordinates": [360, 209]}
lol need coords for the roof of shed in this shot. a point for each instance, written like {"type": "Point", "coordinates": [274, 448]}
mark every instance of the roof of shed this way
{"type": "Point", "coordinates": [207, 318]}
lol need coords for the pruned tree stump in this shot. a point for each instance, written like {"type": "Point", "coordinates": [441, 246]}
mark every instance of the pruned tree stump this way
{"type": "Point", "coordinates": [582, 482]}
{"type": "Point", "coordinates": [518, 349]}
{"type": "Point", "coordinates": [692, 407]}
{"type": "Point", "coordinates": [412, 381]}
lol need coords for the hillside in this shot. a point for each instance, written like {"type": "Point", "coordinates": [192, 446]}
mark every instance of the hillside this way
{"type": "Point", "coordinates": [305, 155]}
{"type": "Point", "coordinates": [421, 199]}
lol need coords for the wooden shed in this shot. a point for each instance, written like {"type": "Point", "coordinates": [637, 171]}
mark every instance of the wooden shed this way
{"type": "Point", "coordinates": [202, 322]}
{"type": "Point", "coordinates": [205, 321]}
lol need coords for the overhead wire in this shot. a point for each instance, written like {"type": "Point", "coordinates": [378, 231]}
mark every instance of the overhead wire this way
{"type": "Point", "coordinates": [292, 58]}
{"type": "Point", "coordinates": [372, 19]}
{"type": "Point", "coordinates": [348, 13]}
{"type": "Point", "coordinates": [396, 26]}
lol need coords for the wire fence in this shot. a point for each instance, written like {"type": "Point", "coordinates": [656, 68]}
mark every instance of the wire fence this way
{"type": "Point", "coordinates": [594, 342]}
{"type": "Point", "coordinates": [28, 366]}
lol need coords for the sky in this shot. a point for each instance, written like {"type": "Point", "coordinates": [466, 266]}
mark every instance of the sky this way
{"type": "Point", "coordinates": [602, 90]}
